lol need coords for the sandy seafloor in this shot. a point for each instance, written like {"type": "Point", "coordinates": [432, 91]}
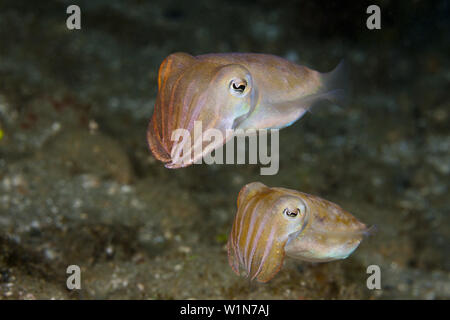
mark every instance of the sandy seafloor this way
{"type": "Point", "coordinates": [78, 184]}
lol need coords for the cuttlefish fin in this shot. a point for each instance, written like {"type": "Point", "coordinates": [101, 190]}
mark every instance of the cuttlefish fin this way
{"type": "Point", "coordinates": [358, 233]}
{"type": "Point", "coordinates": [335, 85]}
{"type": "Point", "coordinates": [332, 86]}
{"type": "Point", "coordinates": [370, 231]}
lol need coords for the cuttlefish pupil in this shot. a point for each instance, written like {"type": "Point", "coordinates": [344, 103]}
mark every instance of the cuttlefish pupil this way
{"type": "Point", "coordinates": [291, 214]}
{"type": "Point", "coordinates": [238, 86]}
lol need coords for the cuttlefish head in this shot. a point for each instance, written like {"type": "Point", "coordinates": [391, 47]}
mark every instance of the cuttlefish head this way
{"type": "Point", "coordinates": [195, 96]}
{"type": "Point", "coordinates": [264, 221]}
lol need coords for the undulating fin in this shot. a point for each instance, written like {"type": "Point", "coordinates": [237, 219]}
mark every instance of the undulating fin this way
{"type": "Point", "coordinates": [370, 231]}
{"type": "Point", "coordinates": [333, 87]}
{"type": "Point", "coordinates": [336, 85]}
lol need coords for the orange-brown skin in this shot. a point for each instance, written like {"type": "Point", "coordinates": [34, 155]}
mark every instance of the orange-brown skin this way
{"type": "Point", "coordinates": [273, 222]}
{"type": "Point", "coordinates": [275, 93]}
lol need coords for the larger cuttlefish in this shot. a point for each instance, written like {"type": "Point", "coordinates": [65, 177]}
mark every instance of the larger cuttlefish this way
{"type": "Point", "coordinates": [228, 92]}
{"type": "Point", "coordinates": [273, 222]}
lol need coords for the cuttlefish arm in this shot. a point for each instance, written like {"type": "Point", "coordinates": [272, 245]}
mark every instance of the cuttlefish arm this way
{"type": "Point", "coordinates": [260, 231]}
{"type": "Point", "coordinates": [161, 123]}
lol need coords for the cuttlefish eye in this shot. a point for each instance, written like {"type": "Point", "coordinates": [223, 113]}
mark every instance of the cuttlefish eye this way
{"type": "Point", "coordinates": [292, 213]}
{"type": "Point", "coordinates": [238, 87]}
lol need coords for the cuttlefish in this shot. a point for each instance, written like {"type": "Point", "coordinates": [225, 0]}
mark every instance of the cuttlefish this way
{"type": "Point", "coordinates": [274, 222]}
{"type": "Point", "coordinates": [229, 92]}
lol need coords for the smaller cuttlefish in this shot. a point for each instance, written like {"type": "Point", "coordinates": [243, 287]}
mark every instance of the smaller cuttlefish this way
{"type": "Point", "coordinates": [228, 92]}
{"type": "Point", "coordinates": [273, 222]}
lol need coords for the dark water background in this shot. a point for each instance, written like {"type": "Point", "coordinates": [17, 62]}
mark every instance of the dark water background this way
{"type": "Point", "coordinates": [79, 186]}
